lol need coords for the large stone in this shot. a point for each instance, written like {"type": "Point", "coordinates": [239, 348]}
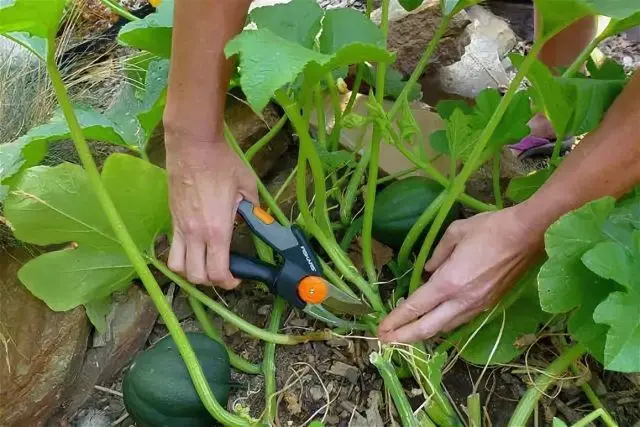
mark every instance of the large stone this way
{"type": "Point", "coordinates": [247, 127]}
{"type": "Point", "coordinates": [483, 64]}
{"type": "Point", "coordinates": [129, 324]}
{"type": "Point", "coordinates": [411, 32]}
{"type": "Point", "coordinates": [40, 350]}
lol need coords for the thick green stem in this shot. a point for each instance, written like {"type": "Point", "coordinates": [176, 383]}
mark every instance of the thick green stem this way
{"type": "Point", "coordinates": [471, 165]}
{"type": "Point", "coordinates": [137, 260]}
{"type": "Point", "coordinates": [352, 188]}
{"type": "Point", "coordinates": [584, 55]}
{"type": "Point", "coordinates": [394, 387]}
{"type": "Point", "coordinates": [367, 251]}
{"type": "Point", "coordinates": [416, 231]}
{"type": "Point", "coordinates": [269, 363]}
{"type": "Point", "coordinates": [529, 401]}
{"type": "Point", "coordinates": [322, 123]}
{"type": "Point", "coordinates": [433, 173]}
{"type": "Point", "coordinates": [118, 9]}
{"type": "Point", "coordinates": [598, 413]}
{"type": "Point", "coordinates": [357, 82]}
{"type": "Point", "coordinates": [266, 139]}
{"type": "Point", "coordinates": [474, 410]}
{"type": "Point", "coordinates": [352, 231]}
{"type": "Point", "coordinates": [420, 68]}
{"type": "Point", "coordinates": [236, 360]}
{"type": "Point", "coordinates": [334, 137]}
{"type": "Point", "coordinates": [497, 190]}
{"type": "Point", "coordinates": [232, 318]}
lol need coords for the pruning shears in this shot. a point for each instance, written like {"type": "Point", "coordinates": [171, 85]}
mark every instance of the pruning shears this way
{"type": "Point", "coordinates": [298, 279]}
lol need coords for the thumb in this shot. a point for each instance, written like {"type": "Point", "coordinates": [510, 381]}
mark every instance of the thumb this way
{"type": "Point", "coordinates": [445, 247]}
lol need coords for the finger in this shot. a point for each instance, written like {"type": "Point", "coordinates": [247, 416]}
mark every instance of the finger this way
{"type": "Point", "coordinates": [428, 325]}
{"type": "Point", "coordinates": [423, 300]}
{"type": "Point", "coordinates": [218, 265]}
{"type": "Point", "coordinates": [177, 253]}
{"type": "Point", "coordinates": [460, 320]}
{"type": "Point", "coordinates": [249, 190]}
{"type": "Point", "coordinates": [196, 272]}
{"type": "Point", "coordinates": [446, 246]}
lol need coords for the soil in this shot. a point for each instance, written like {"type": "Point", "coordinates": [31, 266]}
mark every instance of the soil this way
{"type": "Point", "coordinates": [334, 381]}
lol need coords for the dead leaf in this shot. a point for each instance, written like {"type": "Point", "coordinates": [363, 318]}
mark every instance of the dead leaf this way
{"type": "Point", "coordinates": [293, 404]}
{"type": "Point", "coordinates": [382, 254]}
{"type": "Point", "coordinates": [525, 341]}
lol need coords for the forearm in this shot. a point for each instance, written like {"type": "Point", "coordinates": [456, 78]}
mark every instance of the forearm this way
{"type": "Point", "coordinates": [605, 163]}
{"type": "Point", "coordinates": [200, 73]}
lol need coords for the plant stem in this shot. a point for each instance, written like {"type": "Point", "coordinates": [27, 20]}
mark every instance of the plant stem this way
{"type": "Point", "coordinates": [367, 252]}
{"type": "Point", "coordinates": [266, 139]}
{"type": "Point", "coordinates": [322, 124]}
{"type": "Point", "coordinates": [474, 411]}
{"type": "Point", "coordinates": [420, 68]}
{"type": "Point", "coordinates": [584, 55]}
{"type": "Point", "coordinates": [598, 413]}
{"type": "Point", "coordinates": [114, 6]}
{"type": "Point", "coordinates": [416, 231]}
{"type": "Point", "coordinates": [529, 401]}
{"type": "Point", "coordinates": [471, 165]}
{"type": "Point", "coordinates": [434, 174]}
{"type": "Point", "coordinates": [357, 82]}
{"type": "Point", "coordinates": [231, 317]}
{"type": "Point", "coordinates": [352, 231]}
{"type": "Point", "coordinates": [334, 137]}
{"type": "Point", "coordinates": [236, 360]}
{"type": "Point", "coordinates": [269, 365]}
{"type": "Point", "coordinates": [393, 386]}
{"type": "Point", "coordinates": [128, 245]}
{"type": "Point", "coordinates": [352, 188]}
{"type": "Point", "coordinates": [497, 190]}
{"type": "Point", "coordinates": [369, 8]}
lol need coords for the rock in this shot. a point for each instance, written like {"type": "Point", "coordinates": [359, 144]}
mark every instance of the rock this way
{"type": "Point", "coordinates": [373, 411]}
{"type": "Point", "coordinates": [342, 369]}
{"type": "Point", "coordinates": [40, 350]}
{"type": "Point", "coordinates": [317, 393]}
{"type": "Point", "coordinates": [410, 33]}
{"type": "Point", "coordinates": [247, 127]}
{"type": "Point", "coordinates": [181, 306]}
{"type": "Point", "coordinates": [230, 329]}
{"type": "Point", "coordinates": [481, 66]}
{"type": "Point", "coordinates": [129, 324]}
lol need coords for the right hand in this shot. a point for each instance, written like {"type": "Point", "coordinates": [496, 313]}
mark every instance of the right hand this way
{"type": "Point", "coordinates": [207, 181]}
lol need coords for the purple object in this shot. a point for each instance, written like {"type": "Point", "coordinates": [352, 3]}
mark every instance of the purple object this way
{"type": "Point", "coordinates": [529, 142]}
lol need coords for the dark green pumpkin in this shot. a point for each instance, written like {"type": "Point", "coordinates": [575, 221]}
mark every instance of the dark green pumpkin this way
{"type": "Point", "coordinates": [409, 5]}
{"type": "Point", "coordinates": [400, 205]}
{"type": "Point", "coordinates": [157, 388]}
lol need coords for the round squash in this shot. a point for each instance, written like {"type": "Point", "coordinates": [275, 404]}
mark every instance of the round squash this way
{"type": "Point", "coordinates": [157, 389]}
{"type": "Point", "coordinates": [399, 206]}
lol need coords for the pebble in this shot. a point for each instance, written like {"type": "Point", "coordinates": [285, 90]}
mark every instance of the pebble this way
{"type": "Point", "coordinates": [316, 392]}
{"type": "Point", "coordinates": [342, 369]}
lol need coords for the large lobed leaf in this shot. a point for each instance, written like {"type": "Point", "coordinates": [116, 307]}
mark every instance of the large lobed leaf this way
{"type": "Point", "coordinates": [152, 33]}
{"type": "Point", "coordinates": [35, 17]}
{"type": "Point", "coordinates": [593, 272]}
{"type": "Point", "coordinates": [55, 205]}
{"type": "Point", "coordinates": [271, 58]}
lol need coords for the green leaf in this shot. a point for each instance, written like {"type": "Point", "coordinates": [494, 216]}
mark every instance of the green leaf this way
{"type": "Point", "coordinates": [460, 136]}
{"type": "Point", "coordinates": [439, 142]}
{"type": "Point", "coordinates": [514, 124]}
{"type": "Point", "coordinates": [152, 33]}
{"type": "Point", "coordinates": [36, 45]}
{"type": "Point", "coordinates": [56, 205]}
{"type": "Point", "coordinates": [393, 85]}
{"type": "Point", "coordinates": [407, 123]}
{"type": "Point", "coordinates": [617, 26]}
{"type": "Point", "coordinates": [522, 318]}
{"type": "Point", "coordinates": [549, 94]}
{"type": "Point", "coordinates": [297, 21]}
{"type": "Point", "coordinates": [609, 69]}
{"type": "Point", "coordinates": [97, 311]}
{"type": "Point", "coordinates": [590, 100]}
{"type": "Point", "coordinates": [452, 7]}
{"type": "Point", "coordinates": [353, 120]}
{"type": "Point", "coordinates": [521, 188]}
{"type": "Point", "coordinates": [557, 422]}
{"type": "Point", "coordinates": [410, 5]}
{"type": "Point", "coordinates": [446, 107]}
{"type": "Point", "coordinates": [342, 27]}
{"type": "Point", "coordinates": [19, 155]}
{"type": "Point", "coordinates": [609, 261]}
{"type": "Point", "coordinates": [565, 284]}
{"type": "Point", "coordinates": [35, 17]}
{"type": "Point", "coordinates": [265, 70]}
{"type": "Point", "coordinates": [333, 160]}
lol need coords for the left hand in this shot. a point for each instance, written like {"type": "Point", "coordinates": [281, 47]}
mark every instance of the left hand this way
{"type": "Point", "coordinates": [475, 263]}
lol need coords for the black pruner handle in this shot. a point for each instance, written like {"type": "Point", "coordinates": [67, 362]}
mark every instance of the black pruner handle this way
{"type": "Point", "coordinates": [243, 267]}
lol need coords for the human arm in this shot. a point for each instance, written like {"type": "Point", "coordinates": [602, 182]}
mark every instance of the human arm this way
{"type": "Point", "coordinates": [480, 258]}
{"type": "Point", "coordinates": [206, 179]}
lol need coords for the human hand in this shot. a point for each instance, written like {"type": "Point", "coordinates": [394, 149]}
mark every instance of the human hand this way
{"type": "Point", "coordinates": [207, 181]}
{"type": "Point", "coordinates": [475, 263]}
